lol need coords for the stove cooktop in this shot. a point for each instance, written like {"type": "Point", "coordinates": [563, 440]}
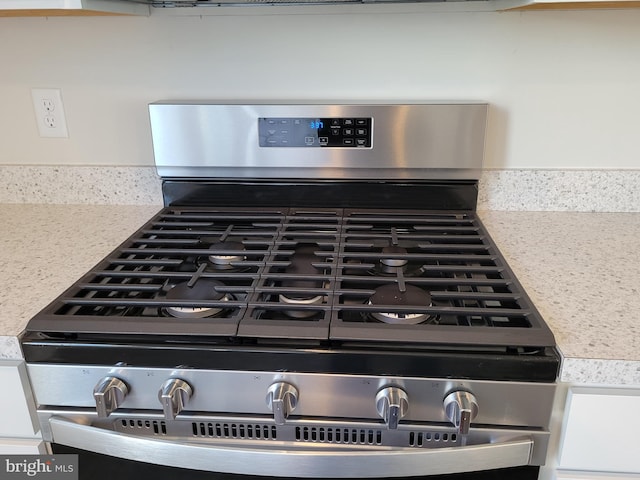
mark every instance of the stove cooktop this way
{"type": "Point", "coordinates": [308, 274]}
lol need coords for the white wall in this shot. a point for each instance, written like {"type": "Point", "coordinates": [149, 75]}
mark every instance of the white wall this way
{"type": "Point", "coordinates": [564, 86]}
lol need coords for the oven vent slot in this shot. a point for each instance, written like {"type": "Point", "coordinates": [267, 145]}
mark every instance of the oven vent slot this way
{"type": "Point", "coordinates": [420, 439]}
{"type": "Point", "coordinates": [358, 436]}
{"type": "Point", "coordinates": [234, 430]}
{"type": "Point", "coordinates": [159, 428]}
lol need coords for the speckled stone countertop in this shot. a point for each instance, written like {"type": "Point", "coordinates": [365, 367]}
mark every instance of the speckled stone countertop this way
{"type": "Point", "coordinates": [580, 270]}
{"type": "Point", "coordinates": [45, 248]}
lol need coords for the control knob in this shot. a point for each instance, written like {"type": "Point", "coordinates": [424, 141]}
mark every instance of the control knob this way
{"type": "Point", "coordinates": [461, 408]}
{"type": "Point", "coordinates": [282, 399]}
{"type": "Point", "coordinates": [173, 395]}
{"type": "Point", "coordinates": [392, 404]}
{"type": "Point", "coordinates": [109, 393]}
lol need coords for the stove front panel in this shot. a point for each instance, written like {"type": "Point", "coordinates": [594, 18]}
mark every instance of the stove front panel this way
{"type": "Point", "coordinates": [320, 395]}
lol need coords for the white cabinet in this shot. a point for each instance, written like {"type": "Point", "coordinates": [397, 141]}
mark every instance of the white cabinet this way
{"type": "Point", "coordinates": [565, 4]}
{"type": "Point", "coordinates": [595, 476]}
{"type": "Point", "coordinates": [600, 438]}
{"type": "Point", "coordinates": [18, 8]}
{"type": "Point", "coordinates": [19, 432]}
{"type": "Point", "coordinates": [22, 446]}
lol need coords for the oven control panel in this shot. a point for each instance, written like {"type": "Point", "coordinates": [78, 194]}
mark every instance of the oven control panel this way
{"type": "Point", "coordinates": [309, 132]}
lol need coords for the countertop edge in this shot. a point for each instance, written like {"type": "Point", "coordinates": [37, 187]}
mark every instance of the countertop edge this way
{"type": "Point", "coordinates": [10, 348]}
{"type": "Point", "coordinates": [600, 371]}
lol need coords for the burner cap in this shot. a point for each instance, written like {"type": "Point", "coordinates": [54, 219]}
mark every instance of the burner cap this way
{"type": "Point", "coordinates": [391, 295]}
{"type": "Point", "coordinates": [302, 262]}
{"type": "Point", "coordinates": [317, 300]}
{"type": "Point", "coordinates": [204, 289]}
{"type": "Point", "coordinates": [394, 262]}
{"type": "Point", "coordinates": [224, 261]}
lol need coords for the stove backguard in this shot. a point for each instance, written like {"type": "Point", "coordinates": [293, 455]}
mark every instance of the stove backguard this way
{"type": "Point", "coordinates": [200, 140]}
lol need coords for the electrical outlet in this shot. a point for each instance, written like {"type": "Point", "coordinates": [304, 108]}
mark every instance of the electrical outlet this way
{"type": "Point", "coordinates": [47, 103]}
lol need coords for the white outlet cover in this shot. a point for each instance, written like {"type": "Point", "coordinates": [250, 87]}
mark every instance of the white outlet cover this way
{"type": "Point", "coordinates": [49, 110]}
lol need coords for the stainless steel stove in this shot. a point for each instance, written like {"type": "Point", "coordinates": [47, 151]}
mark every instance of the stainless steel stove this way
{"type": "Point", "coordinates": [317, 299]}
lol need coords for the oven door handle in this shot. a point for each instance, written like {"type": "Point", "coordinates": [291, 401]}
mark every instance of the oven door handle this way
{"type": "Point", "coordinates": [276, 459]}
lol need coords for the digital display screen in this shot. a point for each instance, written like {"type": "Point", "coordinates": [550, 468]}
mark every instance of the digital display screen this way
{"type": "Point", "coordinates": [341, 132]}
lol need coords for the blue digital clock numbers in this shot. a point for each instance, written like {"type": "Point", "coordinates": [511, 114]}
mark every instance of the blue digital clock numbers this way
{"type": "Point", "coordinates": [316, 124]}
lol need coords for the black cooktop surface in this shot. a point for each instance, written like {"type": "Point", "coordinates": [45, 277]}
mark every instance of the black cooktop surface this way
{"type": "Point", "coordinates": [384, 276]}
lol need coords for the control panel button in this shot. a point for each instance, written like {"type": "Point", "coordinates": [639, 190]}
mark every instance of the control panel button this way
{"type": "Point", "coordinates": [314, 132]}
{"type": "Point", "coordinates": [361, 142]}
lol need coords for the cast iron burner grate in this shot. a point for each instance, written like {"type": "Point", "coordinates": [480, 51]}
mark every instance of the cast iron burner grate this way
{"type": "Point", "coordinates": [305, 273]}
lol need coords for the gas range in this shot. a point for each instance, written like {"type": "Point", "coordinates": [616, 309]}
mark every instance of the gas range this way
{"type": "Point", "coordinates": [319, 280]}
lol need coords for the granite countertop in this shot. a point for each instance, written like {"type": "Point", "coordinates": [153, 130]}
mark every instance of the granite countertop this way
{"type": "Point", "coordinates": [45, 248]}
{"type": "Point", "coordinates": [580, 270]}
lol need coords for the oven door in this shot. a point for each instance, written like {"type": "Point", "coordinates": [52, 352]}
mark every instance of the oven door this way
{"type": "Point", "coordinates": [102, 452]}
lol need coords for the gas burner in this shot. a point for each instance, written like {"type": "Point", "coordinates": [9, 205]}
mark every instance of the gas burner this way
{"type": "Point", "coordinates": [220, 261]}
{"type": "Point", "coordinates": [302, 264]}
{"type": "Point", "coordinates": [203, 289]}
{"type": "Point", "coordinates": [390, 265]}
{"type": "Point", "coordinates": [391, 295]}
{"type": "Point", "coordinates": [293, 300]}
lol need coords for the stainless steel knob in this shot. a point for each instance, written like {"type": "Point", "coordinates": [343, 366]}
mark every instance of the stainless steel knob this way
{"type": "Point", "coordinates": [461, 408]}
{"type": "Point", "coordinates": [109, 393]}
{"type": "Point", "coordinates": [392, 404]}
{"type": "Point", "coordinates": [173, 395]}
{"type": "Point", "coordinates": [282, 399]}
